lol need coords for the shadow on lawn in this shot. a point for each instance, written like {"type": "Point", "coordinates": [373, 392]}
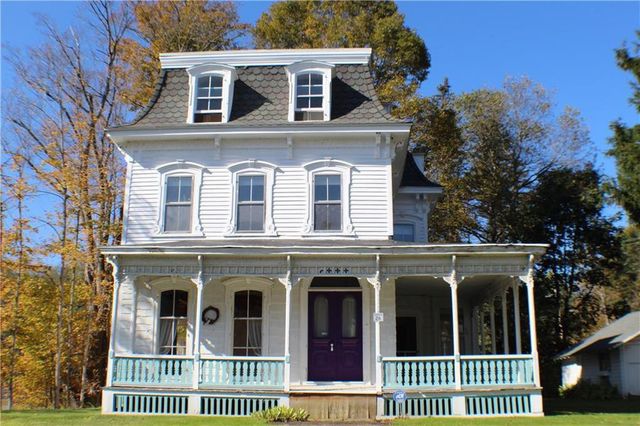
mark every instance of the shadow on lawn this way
{"type": "Point", "coordinates": [555, 407]}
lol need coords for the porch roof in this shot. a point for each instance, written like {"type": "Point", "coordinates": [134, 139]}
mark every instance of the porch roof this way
{"type": "Point", "coordinates": [319, 247]}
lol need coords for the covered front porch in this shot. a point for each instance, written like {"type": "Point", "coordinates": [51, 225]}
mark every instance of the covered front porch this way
{"type": "Point", "coordinates": [452, 326]}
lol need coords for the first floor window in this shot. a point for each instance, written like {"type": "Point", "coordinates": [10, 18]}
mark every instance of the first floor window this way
{"type": "Point", "coordinates": [327, 203]}
{"type": "Point", "coordinates": [403, 232]}
{"type": "Point", "coordinates": [251, 203]}
{"type": "Point", "coordinates": [173, 322]}
{"type": "Point", "coordinates": [247, 323]}
{"type": "Point", "coordinates": [178, 205]}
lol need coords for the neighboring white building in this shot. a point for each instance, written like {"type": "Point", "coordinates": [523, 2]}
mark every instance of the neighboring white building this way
{"type": "Point", "coordinates": [275, 252]}
{"type": "Point", "coordinates": [610, 355]}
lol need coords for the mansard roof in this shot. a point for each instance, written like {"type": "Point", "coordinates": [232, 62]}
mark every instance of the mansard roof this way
{"type": "Point", "coordinates": [412, 176]}
{"type": "Point", "coordinates": [261, 97]}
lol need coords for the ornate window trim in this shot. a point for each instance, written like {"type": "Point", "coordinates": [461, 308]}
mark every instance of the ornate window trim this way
{"type": "Point", "coordinates": [229, 76]}
{"type": "Point", "coordinates": [234, 285]}
{"type": "Point", "coordinates": [317, 67]}
{"type": "Point", "coordinates": [180, 168]}
{"type": "Point", "coordinates": [336, 167]}
{"type": "Point", "coordinates": [252, 167]}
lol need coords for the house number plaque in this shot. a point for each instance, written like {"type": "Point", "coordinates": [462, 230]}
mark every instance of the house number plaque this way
{"type": "Point", "coordinates": [378, 317]}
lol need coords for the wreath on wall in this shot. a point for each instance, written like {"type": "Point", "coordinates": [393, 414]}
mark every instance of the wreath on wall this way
{"type": "Point", "coordinates": [210, 315]}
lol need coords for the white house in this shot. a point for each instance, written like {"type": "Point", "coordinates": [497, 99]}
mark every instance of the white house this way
{"type": "Point", "coordinates": [275, 252]}
{"type": "Point", "coordinates": [610, 355]}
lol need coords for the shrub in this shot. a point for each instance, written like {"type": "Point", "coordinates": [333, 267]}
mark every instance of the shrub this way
{"type": "Point", "coordinates": [283, 414]}
{"type": "Point", "coordinates": [584, 389]}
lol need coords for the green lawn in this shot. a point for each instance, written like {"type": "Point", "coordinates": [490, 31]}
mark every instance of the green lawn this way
{"type": "Point", "coordinates": [584, 413]}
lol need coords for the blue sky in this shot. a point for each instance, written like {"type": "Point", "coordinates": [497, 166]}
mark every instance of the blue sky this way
{"type": "Point", "coordinates": [565, 46]}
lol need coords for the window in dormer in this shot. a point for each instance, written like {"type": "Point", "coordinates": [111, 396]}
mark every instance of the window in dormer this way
{"type": "Point", "coordinates": [309, 97]}
{"type": "Point", "coordinates": [178, 213]}
{"type": "Point", "coordinates": [208, 99]}
{"type": "Point", "coordinates": [251, 203]}
{"type": "Point", "coordinates": [327, 208]}
{"type": "Point", "coordinates": [404, 232]}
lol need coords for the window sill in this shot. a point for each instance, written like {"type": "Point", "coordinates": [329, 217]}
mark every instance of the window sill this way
{"type": "Point", "coordinates": [320, 234]}
{"type": "Point", "coordinates": [180, 235]}
{"type": "Point", "coordinates": [249, 234]}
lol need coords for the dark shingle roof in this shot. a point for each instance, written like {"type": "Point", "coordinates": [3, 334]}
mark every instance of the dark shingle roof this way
{"type": "Point", "coordinates": [261, 96]}
{"type": "Point", "coordinates": [412, 176]}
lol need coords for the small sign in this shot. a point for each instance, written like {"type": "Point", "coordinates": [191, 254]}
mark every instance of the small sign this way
{"type": "Point", "coordinates": [378, 317]}
{"type": "Point", "coordinates": [399, 396]}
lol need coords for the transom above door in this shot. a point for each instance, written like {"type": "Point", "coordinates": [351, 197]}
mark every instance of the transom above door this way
{"type": "Point", "coordinates": [335, 336]}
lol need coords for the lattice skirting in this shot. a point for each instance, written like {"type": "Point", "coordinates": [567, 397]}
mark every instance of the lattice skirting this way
{"type": "Point", "coordinates": [498, 405]}
{"type": "Point", "coordinates": [227, 406]}
{"type": "Point", "coordinates": [418, 407]}
{"type": "Point", "coordinates": [150, 404]}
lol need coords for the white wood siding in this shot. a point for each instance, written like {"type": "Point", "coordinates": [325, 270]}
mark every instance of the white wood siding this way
{"type": "Point", "coordinates": [370, 203]}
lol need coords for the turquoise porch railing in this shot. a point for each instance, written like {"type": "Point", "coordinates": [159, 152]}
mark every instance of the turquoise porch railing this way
{"type": "Point", "coordinates": [153, 370]}
{"type": "Point", "coordinates": [255, 372]}
{"type": "Point", "coordinates": [487, 370]}
{"type": "Point", "coordinates": [418, 372]}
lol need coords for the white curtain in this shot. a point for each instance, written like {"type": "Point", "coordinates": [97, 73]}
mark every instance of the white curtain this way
{"type": "Point", "coordinates": [166, 336]}
{"type": "Point", "coordinates": [255, 336]}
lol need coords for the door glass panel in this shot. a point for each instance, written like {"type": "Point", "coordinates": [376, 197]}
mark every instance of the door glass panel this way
{"type": "Point", "coordinates": [321, 317]}
{"type": "Point", "coordinates": [349, 316]}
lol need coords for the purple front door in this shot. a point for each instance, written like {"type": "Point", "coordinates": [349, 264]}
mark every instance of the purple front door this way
{"type": "Point", "coordinates": [335, 336]}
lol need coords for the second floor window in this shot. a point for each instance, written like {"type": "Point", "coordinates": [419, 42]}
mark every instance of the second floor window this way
{"type": "Point", "coordinates": [208, 99]}
{"type": "Point", "coordinates": [251, 203]}
{"type": "Point", "coordinates": [327, 203]}
{"type": "Point", "coordinates": [178, 204]}
{"type": "Point", "coordinates": [309, 97]}
{"type": "Point", "coordinates": [403, 232]}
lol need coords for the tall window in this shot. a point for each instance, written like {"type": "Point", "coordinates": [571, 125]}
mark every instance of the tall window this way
{"type": "Point", "coordinates": [247, 323]}
{"type": "Point", "coordinates": [208, 99]}
{"type": "Point", "coordinates": [309, 97]}
{"type": "Point", "coordinates": [327, 203]}
{"type": "Point", "coordinates": [251, 203]}
{"type": "Point", "coordinates": [173, 322]}
{"type": "Point", "coordinates": [178, 205]}
{"type": "Point", "coordinates": [403, 232]}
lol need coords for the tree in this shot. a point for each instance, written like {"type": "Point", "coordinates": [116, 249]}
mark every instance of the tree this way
{"type": "Point", "coordinates": [174, 26]}
{"type": "Point", "coordinates": [400, 58]}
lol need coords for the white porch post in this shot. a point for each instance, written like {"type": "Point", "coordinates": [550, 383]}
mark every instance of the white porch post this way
{"type": "Point", "coordinates": [528, 279]}
{"type": "Point", "coordinates": [516, 319]}
{"type": "Point", "coordinates": [375, 282]}
{"type": "Point", "coordinates": [492, 322]}
{"type": "Point", "coordinates": [505, 324]}
{"type": "Point", "coordinates": [197, 327]}
{"type": "Point", "coordinates": [134, 315]}
{"type": "Point", "coordinates": [287, 326]}
{"type": "Point", "coordinates": [474, 329]}
{"type": "Point", "coordinates": [113, 260]}
{"type": "Point", "coordinates": [481, 319]}
{"type": "Point", "coordinates": [453, 285]}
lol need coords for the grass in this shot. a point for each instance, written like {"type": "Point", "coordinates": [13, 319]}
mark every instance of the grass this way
{"type": "Point", "coordinates": [558, 412]}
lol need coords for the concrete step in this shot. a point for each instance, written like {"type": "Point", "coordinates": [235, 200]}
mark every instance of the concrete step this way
{"type": "Point", "coordinates": [336, 407]}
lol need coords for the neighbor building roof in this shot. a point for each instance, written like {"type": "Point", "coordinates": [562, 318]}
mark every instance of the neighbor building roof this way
{"type": "Point", "coordinates": [609, 337]}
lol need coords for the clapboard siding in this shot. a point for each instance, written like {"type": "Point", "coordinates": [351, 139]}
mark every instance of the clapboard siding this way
{"type": "Point", "coordinates": [369, 196]}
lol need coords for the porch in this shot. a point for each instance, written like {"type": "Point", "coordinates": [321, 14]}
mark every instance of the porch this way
{"type": "Point", "coordinates": [463, 358]}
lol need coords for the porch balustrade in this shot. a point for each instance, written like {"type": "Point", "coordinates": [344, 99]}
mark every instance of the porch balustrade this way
{"type": "Point", "coordinates": [418, 372]}
{"type": "Point", "coordinates": [255, 372]}
{"type": "Point", "coordinates": [172, 371]}
{"type": "Point", "coordinates": [488, 370]}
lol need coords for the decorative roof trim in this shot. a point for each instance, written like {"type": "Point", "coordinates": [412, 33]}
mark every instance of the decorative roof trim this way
{"type": "Point", "coordinates": [239, 58]}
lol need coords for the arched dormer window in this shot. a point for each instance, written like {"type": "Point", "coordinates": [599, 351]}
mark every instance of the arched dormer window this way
{"type": "Point", "coordinates": [310, 91]}
{"type": "Point", "coordinates": [210, 93]}
{"type": "Point", "coordinates": [179, 199]}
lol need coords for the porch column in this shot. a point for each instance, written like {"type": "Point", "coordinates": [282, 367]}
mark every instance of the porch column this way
{"type": "Point", "coordinates": [453, 285]}
{"type": "Point", "coordinates": [134, 314]}
{"type": "Point", "coordinates": [516, 314]}
{"type": "Point", "coordinates": [481, 318]}
{"type": "Point", "coordinates": [113, 260]}
{"type": "Point", "coordinates": [287, 333]}
{"type": "Point", "coordinates": [197, 327]}
{"type": "Point", "coordinates": [528, 279]}
{"type": "Point", "coordinates": [377, 319]}
{"type": "Point", "coordinates": [474, 329]}
{"type": "Point", "coordinates": [492, 322]}
{"type": "Point", "coordinates": [505, 324]}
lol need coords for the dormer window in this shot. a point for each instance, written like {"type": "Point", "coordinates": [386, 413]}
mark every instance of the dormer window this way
{"type": "Point", "coordinates": [310, 91]}
{"type": "Point", "coordinates": [208, 99]}
{"type": "Point", "coordinates": [211, 93]}
{"type": "Point", "coordinates": [309, 94]}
